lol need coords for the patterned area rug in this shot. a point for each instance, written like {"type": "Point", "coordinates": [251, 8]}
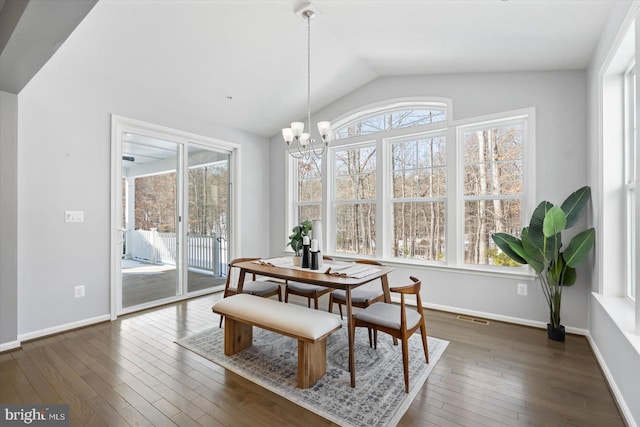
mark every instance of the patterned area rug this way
{"type": "Point", "coordinates": [378, 399]}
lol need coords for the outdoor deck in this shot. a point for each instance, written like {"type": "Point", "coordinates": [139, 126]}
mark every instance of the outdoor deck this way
{"type": "Point", "coordinates": [145, 282]}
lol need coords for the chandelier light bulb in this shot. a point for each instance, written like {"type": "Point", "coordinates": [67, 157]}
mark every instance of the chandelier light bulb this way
{"type": "Point", "coordinates": [287, 134]}
{"type": "Point", "coordinates": [297, 128]}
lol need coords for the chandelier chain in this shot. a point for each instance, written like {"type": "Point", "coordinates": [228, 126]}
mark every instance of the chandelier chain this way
{"type": "Point", "coordinates": [309, 71]}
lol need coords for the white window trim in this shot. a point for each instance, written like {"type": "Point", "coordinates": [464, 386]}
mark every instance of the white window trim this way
{"type": "Point", "coordinates": [394, 105]}
{"type": "Point", "coordinates": [631, 221]}
{"type": "Point", "coordinates": [387, 202]}
{"type": "Point", "coordinates": [624, 312]}
{"type": "Point", "coordinates": [330, 202]}
{"type": "Point", "coordinates": [455, 218]}
{"type": "Point", "coordinates": [528, 200]}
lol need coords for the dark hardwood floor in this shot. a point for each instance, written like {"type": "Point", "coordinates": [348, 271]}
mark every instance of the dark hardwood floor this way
{"type": "Point", "coordinates": [130, 372]}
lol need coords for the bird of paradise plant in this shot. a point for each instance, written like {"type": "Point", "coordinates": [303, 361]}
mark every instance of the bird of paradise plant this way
{"type": "Point", "coordinates": [540, 246]}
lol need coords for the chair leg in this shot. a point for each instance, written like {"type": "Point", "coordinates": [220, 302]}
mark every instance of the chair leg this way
{"type": "Point", "coordinates": [375, 339]}
{"type": "Point", "coordinates": [308, 302]}
{"type": "Point", "coordinates": [370, 338]}
{"type": "Point", "coordinates": [279, 294]}
{"type": "Point", "coordinates": [330, 308]}
{"type": "Point", "coordinates": [221, 317]}
{"type": "Point", "coordinates": [315, 301]}
{"type": "Point", "coordinates": [405, 362]}
{"type": "Point", "coordinates": [425, 346]}
{"type": "Point", "coordinates": [340, 308]}
{"type": "Point", "coordinates": [286, 296]}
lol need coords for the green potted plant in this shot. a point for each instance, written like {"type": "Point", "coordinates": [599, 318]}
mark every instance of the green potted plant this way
{"type": "Point", "coordinates": [540, 246]}
{"type": "Point", "coordinates": [295, 240]}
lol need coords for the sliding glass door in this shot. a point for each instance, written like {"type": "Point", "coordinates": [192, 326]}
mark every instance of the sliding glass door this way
{"type": "Point", "coordinates": [150, 257]}
{"type": "Point", "coordinates": [174, 220]}
{"type": "Point", "coordinates": [208, 216]}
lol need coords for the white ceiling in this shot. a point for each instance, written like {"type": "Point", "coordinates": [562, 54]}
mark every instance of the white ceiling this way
{"type": "Point", "coordinates": [255, 51]}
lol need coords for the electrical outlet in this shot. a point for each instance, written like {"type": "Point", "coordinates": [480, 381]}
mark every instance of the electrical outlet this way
{"type": "Point", "coordinates": [79, 291]}
{"type": "Point", "coordinates": [522, 289]}
{"type": "Point", "coordinates": [73, 216]}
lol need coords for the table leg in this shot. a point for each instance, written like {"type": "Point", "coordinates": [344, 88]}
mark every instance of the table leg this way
{"type": "Point", "coordinates": [352, 367]}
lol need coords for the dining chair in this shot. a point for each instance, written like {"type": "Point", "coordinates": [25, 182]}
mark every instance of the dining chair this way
{"type": "Point", "coordinates": [360, 297]}
{"type": "Point", "coordinates": [397, 321]}
{"type": "Point", "coordinates": [306, 290]}
{"type": "Point", "coordinates": [260, 288]}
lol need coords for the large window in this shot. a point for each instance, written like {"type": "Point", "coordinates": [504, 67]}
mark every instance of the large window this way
{"type": "Point", "coordinates": [630, 177]}
{"type": "Point", "coordinates": [379, 122]}
{"type": "Point", "coordinates": [354, 183]}
{"type": "Point", "coordinates": [419, 177]}
{"type": "Point", "coordinates": [410, 185]}
{"type": "Point", "coordinates": [308, 194]}
{"type": "Point", "coordinates": [492, 187]}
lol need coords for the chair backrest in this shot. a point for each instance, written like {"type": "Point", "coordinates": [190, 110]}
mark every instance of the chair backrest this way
{"type": "Point", "coordinates": [233, 264]}
{"type": "Point", "coordinates": [412, 289]}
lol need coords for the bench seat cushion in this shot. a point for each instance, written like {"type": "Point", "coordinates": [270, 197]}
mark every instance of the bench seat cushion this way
{"type": "Point", "coordinates": [287, 319]}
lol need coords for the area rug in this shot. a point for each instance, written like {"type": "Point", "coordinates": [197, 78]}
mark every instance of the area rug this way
{"type": "Point", "coordinates": [378, 399]}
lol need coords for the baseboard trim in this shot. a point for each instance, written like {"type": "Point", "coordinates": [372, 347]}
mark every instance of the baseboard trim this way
{"type": "Point", "coordinates": [11, 345]}
{"type": "Point", "coordinates": [617, 395]}
{"type": "Point", "coordinates": [498, 317]}
{"type": "Point", "coordinates": [63, 328]}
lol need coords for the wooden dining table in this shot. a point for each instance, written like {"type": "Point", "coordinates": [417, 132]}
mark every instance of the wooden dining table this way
{"type": "Point", "coordinates": [320, 277]}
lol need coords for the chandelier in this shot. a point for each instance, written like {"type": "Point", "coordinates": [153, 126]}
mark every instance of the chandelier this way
{"type": "Point", "coordinates": [300, 143]}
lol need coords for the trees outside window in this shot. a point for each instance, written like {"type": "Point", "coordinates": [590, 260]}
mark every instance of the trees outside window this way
{"type": "Point", "coordinates": [155, 204]}
{"type": "Point", "coordinates": [419, 182]}
{"type": "Point", "coordinates": [308, 193]}
{"type": "Point", "coordinates": [492, 188]}
{"type": "Point", "coordinates": [209, 199]}
{"type": "Point", "coordinates": [355, 200]}
{"type": "Point", "coordinates": [379, 122]}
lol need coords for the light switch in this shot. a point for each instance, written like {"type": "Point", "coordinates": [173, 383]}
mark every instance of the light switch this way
{"type": "Point", "coordinates": [73, 216]}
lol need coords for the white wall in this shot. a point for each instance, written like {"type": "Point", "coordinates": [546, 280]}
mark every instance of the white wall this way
{"type": "Point", "coordinates": [561, 132]}
{"type": "Point", "coordinates": [620, 360]}
{"type": "Point", "coordinates": [8, 218]}
{"type": "Point", "coordinates": [64, 164]}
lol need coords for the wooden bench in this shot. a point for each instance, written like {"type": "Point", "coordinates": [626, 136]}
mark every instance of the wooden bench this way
{"type": "Point", "coordinates": [309, 327]}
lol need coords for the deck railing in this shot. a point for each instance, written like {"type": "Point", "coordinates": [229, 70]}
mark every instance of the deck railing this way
{"type": "Point", "coordinates": [203, 252]}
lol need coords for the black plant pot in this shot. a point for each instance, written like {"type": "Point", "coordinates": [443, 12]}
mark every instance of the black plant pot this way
{"type": "Point", "coordinates": [556, 334]}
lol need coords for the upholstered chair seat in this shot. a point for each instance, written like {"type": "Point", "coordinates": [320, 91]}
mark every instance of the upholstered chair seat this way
{"type": "Point", "coordinates": [387, 315]}
{"type": "Point", "coordinates": [305, 290]}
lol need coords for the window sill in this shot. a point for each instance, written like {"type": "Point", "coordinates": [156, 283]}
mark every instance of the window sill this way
{"type": "Point", "coordinates": [622, 313]}
{"type": "Point", "coordinates": [479, 271]}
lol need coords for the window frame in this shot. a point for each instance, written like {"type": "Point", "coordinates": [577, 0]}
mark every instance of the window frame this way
{"type": "Point", "coordinates": [384, 192]}
{"type": "Point", "coordinates": [332, 203]}
{"type": "Point", "coordinates": [527, 197]}
{"type": "Point", "coordinates": [630, 179]}
{"type": "Point", "coordinates": [389, 200]}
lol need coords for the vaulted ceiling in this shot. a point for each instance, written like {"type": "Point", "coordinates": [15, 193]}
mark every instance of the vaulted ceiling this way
{"type": "Point", "coordinates": [252, 54]}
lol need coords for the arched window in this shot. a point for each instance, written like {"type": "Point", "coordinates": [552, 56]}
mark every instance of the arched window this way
{"type": "Point", "coordinates": [395, 117]}
{"type": "Point", "coordinates": [404, 182]}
